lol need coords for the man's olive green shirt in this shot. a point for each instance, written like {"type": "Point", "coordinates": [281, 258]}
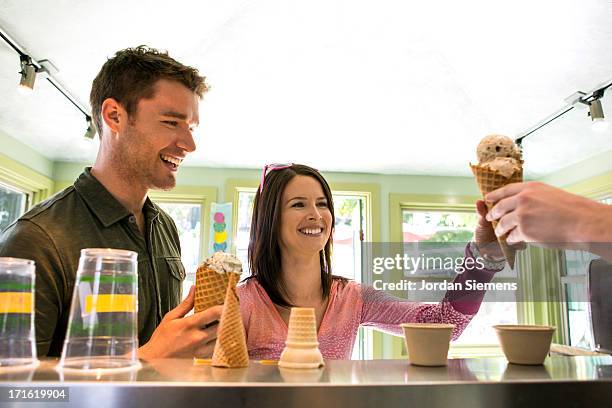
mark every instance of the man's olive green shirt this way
{"type": "Point", "coordinates": [86, 215]}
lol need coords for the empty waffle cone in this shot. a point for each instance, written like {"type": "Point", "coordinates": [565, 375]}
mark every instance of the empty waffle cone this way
{"type": "Point", "coordinates": [302, 326]}
{"type": "Point", "coordinates": [230, 348]}
{"type": "Point", "coordinates": [489, 180]}
{"type": "Point", "coordinates": [211, 288]}
{"type": "Point", "coordinates": [301, 348]}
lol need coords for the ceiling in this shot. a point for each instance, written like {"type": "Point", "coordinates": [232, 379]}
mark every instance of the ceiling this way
{"type": "Point", "coordinates": [383, 86]}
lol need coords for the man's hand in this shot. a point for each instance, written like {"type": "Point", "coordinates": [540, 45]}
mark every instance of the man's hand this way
{"type": "Point", "coordinates": [536, 212]}
{"type": "Point", "coordinates": [179, 336]}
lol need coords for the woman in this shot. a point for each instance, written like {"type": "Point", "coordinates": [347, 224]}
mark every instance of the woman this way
{"type": "Point", "coordinates": [289, 256]}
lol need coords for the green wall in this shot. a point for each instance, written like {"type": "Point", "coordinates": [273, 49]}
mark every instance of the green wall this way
{"type": "Point", "coordinates": [579, 172]}
{"type": "Point", "coordinates": [584, 177]}
{"type": "Point", "coordinates": [64, 173]}
{"type": "Point", "coordinates": [587, 175]}
{"type": "Point", "coordinates": [25, 155]}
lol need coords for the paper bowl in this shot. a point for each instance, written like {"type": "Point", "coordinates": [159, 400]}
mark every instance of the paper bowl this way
{"type": "Point", "coordinates": [427, 343]}
{"type": "Point", "coordinates": [525, 344]}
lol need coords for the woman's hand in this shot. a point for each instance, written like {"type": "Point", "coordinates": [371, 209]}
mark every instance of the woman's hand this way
{"type": "Point", "coordinates": [484, 235]}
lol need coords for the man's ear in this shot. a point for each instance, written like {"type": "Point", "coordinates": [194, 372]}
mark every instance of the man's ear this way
{"type": "Point", "coordinates": [113, 114]}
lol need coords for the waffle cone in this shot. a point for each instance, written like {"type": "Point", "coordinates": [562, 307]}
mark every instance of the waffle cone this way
{"type": "Point", "coordinates": [211, 288]}
{"type": "Point", "coordinates": [301, 348]}
{"type": "Point", "coordinates": [230, 348]}
{"type": "Point", "coordinates": [302, 326]}
{"type": "Point", "coordinates": [489, 180]}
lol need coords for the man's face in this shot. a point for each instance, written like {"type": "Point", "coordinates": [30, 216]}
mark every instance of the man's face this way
{"type": "Point", "coordinates": [158, 136]}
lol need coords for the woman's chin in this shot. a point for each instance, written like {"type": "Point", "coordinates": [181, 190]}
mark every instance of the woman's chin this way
{"type": "Point", "coordinates": [309, 249]}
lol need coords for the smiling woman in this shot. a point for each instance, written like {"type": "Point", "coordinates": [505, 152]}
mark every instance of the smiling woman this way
{"type": "Point", "coordinates": [290, 263]}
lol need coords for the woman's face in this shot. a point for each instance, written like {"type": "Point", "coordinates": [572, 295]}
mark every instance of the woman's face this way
{"type": "Point", "coordinates": [306, 221]}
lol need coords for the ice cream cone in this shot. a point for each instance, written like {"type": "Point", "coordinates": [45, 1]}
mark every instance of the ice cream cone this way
{"type": "Point", "coordinates": [302, 346]}
{"type": "Point", "coordinates": [489, 180]}
{"type": "Point", "coordinates": [230, 348]}
{"type": "Point", "coordinates": [211, 288]}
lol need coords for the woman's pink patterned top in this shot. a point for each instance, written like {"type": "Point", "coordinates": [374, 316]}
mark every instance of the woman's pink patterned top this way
{"type": "Point", "coordinates": [350, 305]}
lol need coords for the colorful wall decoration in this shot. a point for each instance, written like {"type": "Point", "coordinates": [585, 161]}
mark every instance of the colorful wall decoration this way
{"type": "Point", "coordinates": [220, 227]}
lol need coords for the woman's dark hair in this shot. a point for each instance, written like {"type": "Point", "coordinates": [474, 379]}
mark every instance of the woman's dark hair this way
{"type": "Point", "coordinates": [264, 248]}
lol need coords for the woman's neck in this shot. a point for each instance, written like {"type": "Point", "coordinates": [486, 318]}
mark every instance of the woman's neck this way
{"type": "Point", "coordinates": [302, 279]}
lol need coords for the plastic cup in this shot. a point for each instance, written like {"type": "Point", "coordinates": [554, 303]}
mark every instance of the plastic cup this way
{"type": "Point", "coordinates": [102, 328]}
{"type": "Point", "coordinates": [17, 340]}
{"type": "Point", "coordinates": [428, 343]}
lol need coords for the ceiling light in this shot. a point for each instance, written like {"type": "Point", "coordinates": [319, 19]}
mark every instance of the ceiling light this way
{"type": "Point", "coordinates": [28, 73]}
{"type": "Point", "coordinates": [30, 68]}
{"type": "Point", "coordinates": [599, 122]}
{"type": "Point", "coordinates": [595, 111]}
{"type": "Point", "coordinates": [90, 133]}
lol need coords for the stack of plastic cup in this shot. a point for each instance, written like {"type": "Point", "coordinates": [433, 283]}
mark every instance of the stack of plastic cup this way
{"type": "Point", "coordinates": [102, 330]}
{"type": "Point", "coordinates": [17, 341]}
{"type": "Point", "coordinates": [301, 347]}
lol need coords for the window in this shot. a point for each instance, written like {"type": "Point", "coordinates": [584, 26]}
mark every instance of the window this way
{"type": "Point", "coordinates": [15, 178]}
{"type": "Point", "coordinates": [458, 226]}
{"type": "Point", "coordinates": [13, 203]}
{"type": "Point", "coordinates": [243, 227]}
{"type": "Point", "coordinates": [189, 207]}
{"type": "Point", "coordinates": [348, 234]}
{"type": "Point", "coordinates": [574, 281]}
{"type": "Point", "coordinates": [350, 210]}
{"type": "Point", "coordinates": [188, 220]}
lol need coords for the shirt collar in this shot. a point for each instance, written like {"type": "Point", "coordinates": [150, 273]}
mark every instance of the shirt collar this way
{"type": "Point", "coordinates": [103, 204]}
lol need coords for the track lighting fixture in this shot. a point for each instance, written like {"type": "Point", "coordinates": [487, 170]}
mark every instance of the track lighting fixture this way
{"type": "Point", "coordinates": [30, 67]}
{"type": "Point", "coordinates": [28, 73]}
{"type": "Point", "coordinates": [598, 121]}
{"type": "Point", "coordinates": [90, 133]}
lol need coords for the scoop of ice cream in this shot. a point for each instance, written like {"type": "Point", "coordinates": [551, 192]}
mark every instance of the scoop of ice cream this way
{"type": "Point", "coordinates": [222, 262]}
{"type": "Point", "coordinates": [506, 166]}
{"type": "Point", "coordinates": [494, 146]}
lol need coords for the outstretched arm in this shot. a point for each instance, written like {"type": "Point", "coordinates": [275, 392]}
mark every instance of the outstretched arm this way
{"type": "Point", "coordinates": [539, 213]}
{"type": "Point", "coordinates": [458, 306]}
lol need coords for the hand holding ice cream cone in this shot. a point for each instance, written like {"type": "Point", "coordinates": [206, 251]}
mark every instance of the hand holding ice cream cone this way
{"type": "Point", "coordinates": [216, 281]}
{"type": "Point", "coordinates": [499, 164]}
{"type": "Point", "coordinates": [179, 335]}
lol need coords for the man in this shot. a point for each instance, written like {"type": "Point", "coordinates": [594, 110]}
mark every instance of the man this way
{"type": "Point", "coordinates": [536, 212]}
{"type": "Point", "coordinates": [145, 107]}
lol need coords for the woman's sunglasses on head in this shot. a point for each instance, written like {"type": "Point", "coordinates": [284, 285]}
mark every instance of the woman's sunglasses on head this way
{"type": "Point", "coordinates": [271, 167]}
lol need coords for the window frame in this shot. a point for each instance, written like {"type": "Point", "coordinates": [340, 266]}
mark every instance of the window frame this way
{"type": "Point", "coordinates": [598, 189]}
{"type": "Point", "coordinates": [23, 179]}
{"type": "Point", "coordinates": [435, 202]}
{"type": "Point", "coordinates": [203, 195]}
{"type": "Point", "coordinates": [372, 340]}
{"type": "Point", "coordinates": [24, 205]}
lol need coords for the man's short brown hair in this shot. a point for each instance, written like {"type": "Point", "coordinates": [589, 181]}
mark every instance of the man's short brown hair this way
{"type": "Point", "coordinates": [130, 75]}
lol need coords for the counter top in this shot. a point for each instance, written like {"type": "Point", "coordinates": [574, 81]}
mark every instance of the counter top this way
{"type": "Point", "coordinates": [563, 381]}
